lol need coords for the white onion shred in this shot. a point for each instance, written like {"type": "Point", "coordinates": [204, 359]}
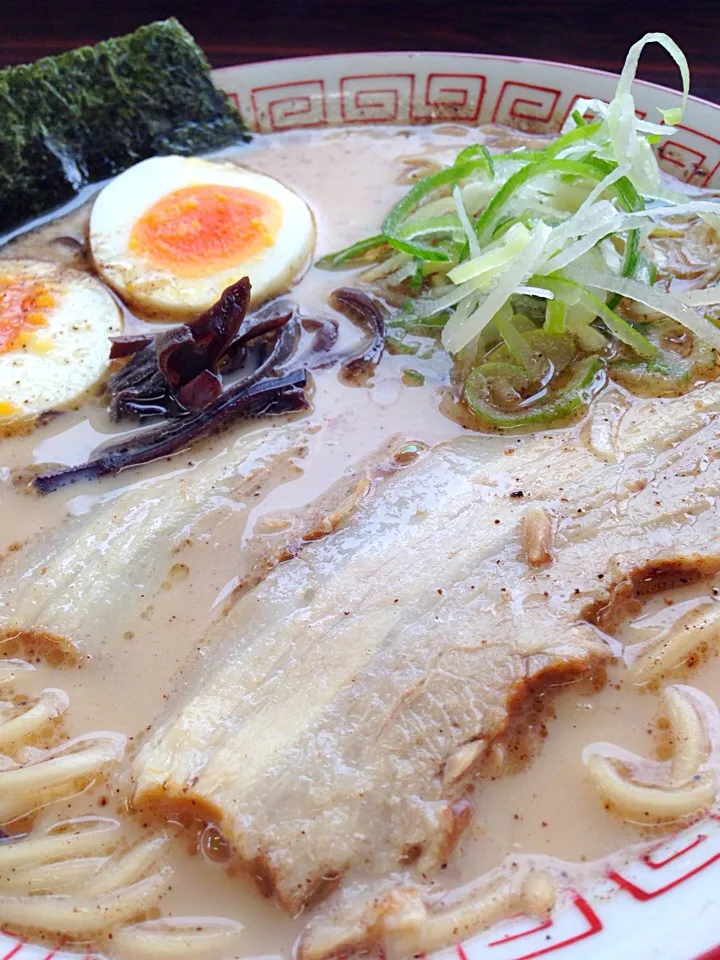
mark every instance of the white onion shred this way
{"type": "Point", "coordinates": [652, 297]}
{"type": "Point", "coordinates": [465, 221]}
{"type": "Point", "coordinates": [456, 336]}
{"type": "Point", "coordinates": [710, 295]}
{"type": "Point", "coordinates": [581, 246]}
{"type": "Point", "coordinates": [675, 115]}
{"type": "Point", "coordinates": [496, 257]}
{"type": "Point", "coordinates": [587, 218]}
{"type": "Point", "coordinates": [536, 292]}
{"type": "Point", "coordinates": [568, 227]}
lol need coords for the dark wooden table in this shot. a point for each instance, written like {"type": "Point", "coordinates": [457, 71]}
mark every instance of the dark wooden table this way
{"type": "Point", "coordinates": [234, 31]}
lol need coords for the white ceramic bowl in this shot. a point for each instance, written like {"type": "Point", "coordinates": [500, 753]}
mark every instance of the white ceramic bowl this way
{"type": "Point", "coordinates": [421, 87]}
{"type": "Point", "coordinates": [664, 902]}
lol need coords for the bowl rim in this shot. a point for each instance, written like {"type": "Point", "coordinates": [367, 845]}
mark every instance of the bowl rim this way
{"type": "Point", "coordinates": [713, 953]}
{"type": "Point", "coordinates": [501, 57]}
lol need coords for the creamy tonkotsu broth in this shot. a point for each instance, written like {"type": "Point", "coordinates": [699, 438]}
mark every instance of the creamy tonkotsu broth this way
{"type": "Point", "coordinates": [537, 801]}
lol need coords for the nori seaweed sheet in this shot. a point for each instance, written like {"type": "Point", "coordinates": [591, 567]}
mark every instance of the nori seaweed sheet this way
{"type": "Point", "coordinates": [90, 113]}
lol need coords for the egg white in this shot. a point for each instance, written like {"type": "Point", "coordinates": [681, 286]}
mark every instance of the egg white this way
{"type": "Point", "coordinates": [162, 293]}
{"type": "Point", "coordinates": [65, 358]}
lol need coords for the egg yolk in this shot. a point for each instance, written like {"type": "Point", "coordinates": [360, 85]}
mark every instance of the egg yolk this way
{"type": "Point", "coordinates": [22, 303]}
{"type": "Point", "coordinates": [197, 231]}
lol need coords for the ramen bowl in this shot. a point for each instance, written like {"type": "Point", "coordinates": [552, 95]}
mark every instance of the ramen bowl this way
{"type": "Point", "coordinates": [661, 899]}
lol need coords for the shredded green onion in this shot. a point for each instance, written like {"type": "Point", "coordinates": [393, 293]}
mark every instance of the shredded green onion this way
{"type": "Point", "coordinates": [459, 171]}
{"type": "Point", "coordinates": [587, 379]}
{"type": "Point", "coordinates": [516, 342]}
{"type": "Point", "coordinates": [623, 330]}
{"type": "Point", "coordinates": [349, 255]}
{"type": "Point", "coordinates": [397, 345]}
{"type": "Point", "coordinates": [511, 245]}
{"type": "Point", "coordinates": [488, 219]}
{"type": "Point", "coordinates": [474, 151]}
{"type": "Point", "coordinates": [414, 376]}
{"type": "Point", "coordinates": [555, 316]}
{"type": "Point", "coordinates": [519, 260]}
{"type": "Point", "coordinates": [584, 131]}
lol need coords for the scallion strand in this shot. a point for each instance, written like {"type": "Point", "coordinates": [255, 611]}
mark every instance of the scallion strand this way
{"type": "Point", "coordinates": [623, 330]}
{"type": "Point", "coordinates": [345, 256]}
{"type": "Point", "coordinates": [488, 219]}
{"type": "Point", "coordinates": [631, 200]}
{"type": "Point", "coordinates": [402, 210]}
{"type": "Point", "coordinates": [576, 135]}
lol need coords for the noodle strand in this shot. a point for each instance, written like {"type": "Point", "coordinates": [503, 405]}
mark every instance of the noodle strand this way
{"type": "Point", "coordinates": [692, 789]}
{"type": "Point", "coordinates": [690, 746]}
{"type": "Point", "coordinates": [26, 788]}
{"type": "Point", "coordinates": [126, 868]}
{"type": "Point", "coordinates": [197, 938]}
{"type": "Point", "coordinates": [672, 649]}
{"type": "Point", "coordinates": [95, 835]}
{"type": "Point", "coordinates": [646, 803]}
{"type": "Point", "coordinates": [51, 877]}
{"type": "Point", "coordinates": [76, 916]}
{"type": "Point", "coordinates": [50, 704]}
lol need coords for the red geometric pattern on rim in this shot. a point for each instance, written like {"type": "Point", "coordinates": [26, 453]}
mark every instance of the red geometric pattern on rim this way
{"type": "Point", "coordinates": [686, 160]}
{"type": "Point", "coordinates": [638, 892]}
{"type": "Point", "coordinates": [14, 950]}
{"type": "Point", "coordinates": [682, 161]}
{"type": "Point", "coordinates": [545, 925]}
{"type": "Point", "coordinates": [591, 924]}
{"type": "Point", "coordinates": [594, 925]}
{"type": "Point", "coordinates": [456, 96]}
{"type": "Point", "coordinates": [713, 954]}
{"type": "Point", "coordinates": [659, 864]}
{"type": "Point", "coordinates": [525, 105]}
{"type": "Point", "coordinates": [377, 97]}
{"type": "Point", "coordinates": [285, 106]}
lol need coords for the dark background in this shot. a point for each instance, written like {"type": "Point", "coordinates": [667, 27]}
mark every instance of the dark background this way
{"type": "Point", "coordinates": [234, 31]}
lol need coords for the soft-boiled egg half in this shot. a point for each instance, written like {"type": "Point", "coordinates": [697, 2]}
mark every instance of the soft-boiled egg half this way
{"type": "Point", "coordinates": [171, 233]}
{"type": "Point", "coordinates": [54, 329]}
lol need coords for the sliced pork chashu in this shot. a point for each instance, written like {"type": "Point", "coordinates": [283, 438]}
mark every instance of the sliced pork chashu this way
{"type": "Point", "coordinates": [347, 700]}
{"type": "Point", "coordinates": [79, 586]}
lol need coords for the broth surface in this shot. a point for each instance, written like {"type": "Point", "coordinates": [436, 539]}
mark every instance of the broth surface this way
{"type": "Point", "coordinates": [548, 807]}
